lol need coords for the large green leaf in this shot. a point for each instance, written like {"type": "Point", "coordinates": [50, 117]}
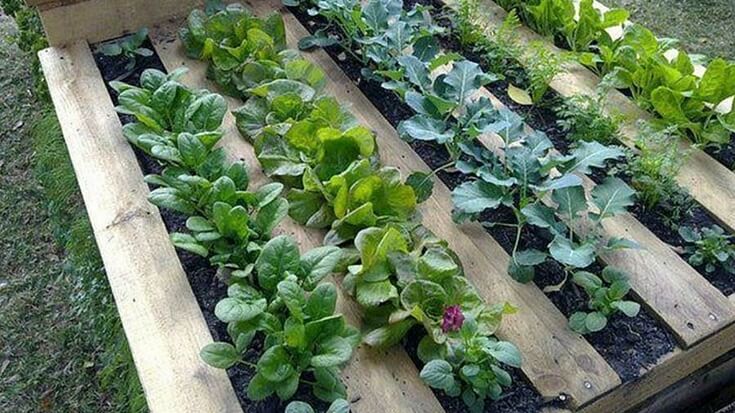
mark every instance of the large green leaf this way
{"type": "Point", "coordinates": [591, 155]}
{"type": "Point", "coordinates": [279, 255]}
{"type": "Point", "coordinates": [612, 197]}
{"type": "Point", "coordinates": [477, 196]}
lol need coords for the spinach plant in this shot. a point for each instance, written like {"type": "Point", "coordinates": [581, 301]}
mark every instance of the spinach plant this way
{"type": "Point", "coordinates": [710, 247]}
{"type": "Point", "coordinates": [338, 406]}
{"type": "Point", "coordinates": [283, 300]}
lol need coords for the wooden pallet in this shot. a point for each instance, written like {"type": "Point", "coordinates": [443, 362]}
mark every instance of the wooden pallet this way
{"type": "Point", "coordinates": [144, 280]}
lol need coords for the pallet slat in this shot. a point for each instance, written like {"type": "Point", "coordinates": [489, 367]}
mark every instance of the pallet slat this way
{"type": "Point", "coordinates": [556, 360]}
{"type": "Point", "coordinates": [709, 182]}
{"type": "Point", "coordinates": [386, 381]}
{"type": "Point", "coordinates": [162, 321]}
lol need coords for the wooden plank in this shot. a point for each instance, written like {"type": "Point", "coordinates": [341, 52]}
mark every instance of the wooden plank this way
{"type": "Point", "coordinates": [162, 321]}
{"type": "Point", "coordinates": [50, 4]}
{"type": "Point", "coordinates": [97, 20]}
{"type": "Point", "coordinates": [381, 381]}
{"type": "Point", "coordinates": [676, 293]}
{"type": "Point", "coordinates": [672, 368]}
{"type": "Point", "coordinates": [709, 182]}
{"type": "Point", "coordinates": [556, 360]}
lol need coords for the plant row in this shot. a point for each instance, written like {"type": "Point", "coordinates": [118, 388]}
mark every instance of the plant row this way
{"type": "Point", "coordinates": [273, 290]}
{"type": "Point", "coordinates": [519, 170]}
{"type": "Point", "coordinates": [660, 81]}
{"type": "Point", "coordinates": [399, 272]}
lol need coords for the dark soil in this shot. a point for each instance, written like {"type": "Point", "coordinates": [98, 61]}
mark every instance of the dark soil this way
{"type": "Point", "coordinates": [621, 343]}
{"type": "Point", "coordinates": [207, 287]}
{"type": "Point", "coordinates": [726, 154]}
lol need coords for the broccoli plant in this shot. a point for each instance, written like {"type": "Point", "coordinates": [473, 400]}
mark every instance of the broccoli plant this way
{"type": "Point", "coordinates": [606, 298]}
{"type": "Point", "coordinates": [283, 300]}
{"type": "Point", "coordinates": [543, 188]}
{"type": "Point", "coordinates": [709, 247]}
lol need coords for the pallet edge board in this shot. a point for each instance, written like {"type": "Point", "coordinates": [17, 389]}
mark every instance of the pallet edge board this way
{"type": "Point", "coordinates": [482, 256]}
{"type": "Point", "coordinates": [161, 318]}
{"type": "Point", "coordinates": [709, 182]}
{"type": "Point", "coordinates": [672, 368]}
{"type": "Point", "coordinates": [691, 317]}
{"type": "Point", "coordinates": [383, 381]}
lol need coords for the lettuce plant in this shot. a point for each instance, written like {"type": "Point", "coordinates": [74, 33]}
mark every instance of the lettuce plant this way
{"type": "Point", "coordinates": [282, 299]}
{"type": "Point", "coordinates": [406, 277]}
{"type": "Point", "coordinates": [605, 299]}
{"type": "Point", "coordinates": [709, 247]}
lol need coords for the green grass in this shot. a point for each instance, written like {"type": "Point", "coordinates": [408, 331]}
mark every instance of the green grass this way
{"type": "Point", "coordinates": [703, 26]}
{"type": "Point", "coordinates": [62, 348]}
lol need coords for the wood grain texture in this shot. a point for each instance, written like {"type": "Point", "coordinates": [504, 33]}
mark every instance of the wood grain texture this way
{"type": "Point", "coordinates": [162, 321]}
{"type": "Point", "coordinates": [556, 360]}
{"type": "Point", "coordinates": [380, 381]}
{"type": "Point", "coordinates": [667, 285]}
{"type": "Point", "coordinates": [709, 182]}
{"type": "Point", "coordinates": [97, 20]}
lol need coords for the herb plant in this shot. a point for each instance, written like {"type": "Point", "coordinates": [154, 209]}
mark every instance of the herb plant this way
{"type": "Point", "coordinates": [582, 119]}
{"type": "Point", "coordinates": [709, 247]}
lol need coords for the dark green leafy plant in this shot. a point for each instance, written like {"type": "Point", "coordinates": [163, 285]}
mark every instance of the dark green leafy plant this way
{"type": "Point", "coordinates": [606, 298]}
{"type": "Point", "coordinates": [582, 119]}
{"type": "Point", "coordinates": [709, 247]}
{"type": "Point", "coordinates": [129, 47]}
{"type": "Point", "coordinates": [282, 299]}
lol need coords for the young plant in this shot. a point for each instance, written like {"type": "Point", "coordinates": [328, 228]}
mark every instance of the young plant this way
{"type": "Point", "coordinates": [582, 119]}
{"type": "Point", "coordinates": [606, 298]}
{"type": "Point", "coordinates": [709, 247]}
{"type": "Point", "coordinates": [407, 276]}
{"type": "Point", "coordinates": [283, 300]}
{"type": "Point", "coordinates": [130, 47]}
{"type": "Point", "coordinates": [543, 189]}
{"type": "Point", "coordinates": [338, 406]}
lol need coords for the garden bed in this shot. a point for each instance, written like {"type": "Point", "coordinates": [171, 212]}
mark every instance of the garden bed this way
{"type": "Point", "coordinates": [616, 369]}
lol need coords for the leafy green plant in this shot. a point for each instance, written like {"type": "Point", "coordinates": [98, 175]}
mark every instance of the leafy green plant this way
{"type": "Point", "coordinates": [709, 247]}
{"type": "Point", "coordinates": [408, 276]}
{"type": "Point", "coordinates": [282, 299]}
{"type": "Point", "coordinates": [523, 179]}
{"type": "Point", "coordinates": [129, 47]}
{"type": "Point", "coordinates": [582, 119]}
{"type": "Point", "coordinates": [606, 298]}
{"type": "Point", "coordinates": [338, 406]}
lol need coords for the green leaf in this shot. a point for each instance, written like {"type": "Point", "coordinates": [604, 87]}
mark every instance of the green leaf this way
{"type": "Point", "coordinates": [571, 201]}
{"type": "Point", "coordinates": [577, 322]}
{"type": "Point", "coordinates": [629, 308]}
{"type": "Point", "coordinates": [275, 364]}
{"type": "Point", "coordinates": [188, 243]}
{"type": "Point", "coordinates": [372, 294]}
{"type": "Point", "coordinates": [267, 193]}
{"type": "Point", "coordinates": [668, 104]}
{"type": "Point", "coordinates": [595, 321]}
{"type": "Point", "coordinates": [463, 80]}
{"type": "Point", "coordinates": [333, 352]}
{"type": "Point", "coordinates": [299, 407]}
{"type": "Point", "coordinates": [519, 96]}
{"type": "Point", "coordinates": [293, 297]}
{"type": "Point", "coordinates": [318, 39]}
{"type": "Point", "coordinates": [322, 302]}
{"type": "Point", "coordinates": [389, 335]}
{"type": "Point", "coordinates": [279, 255]}
{"type": "Point", "coordinates": [318, 263]}
{"type": "Point", "coordinates": [587, 280]}
{"type": "Point", "coordinates": [271, 215]}
{"type": "Point", "coordinates": [415, 70]}
{"type": "Point", "coordinates": [589, 155]}
{"type": "Point", "coordinates": [422, 185]}
{"type": "Point", "coordinates": [207, 112]}
{"type": "Point", "coordinates": [232, 309]}
{"type": "Point", "coordinates": [329, 387]}
{"type": "Point", "coordinates": [505, 352]}
{"type": "Point", "coordinates": [437, 265]}
{"type": "Point", "coordinates": [612, 197]}
{"type": "Point", "coordinates": [477, 196]}
{"type": "Point", "coordinates": [259, 387]}
{"type": "Point", "coordinates": [424, 128]}
{"type": "Point", "coordinates": [543, 217]}
{"type": "Point", "coordinates": [339, 406]}
{"type": "Point", "coordinates": [570, 255]}
{"type": "Point", "coordinates": [438, 374]}
{"type": "Point", "coordinates": [220, 355]}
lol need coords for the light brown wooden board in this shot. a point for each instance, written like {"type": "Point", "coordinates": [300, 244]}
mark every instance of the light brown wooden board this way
{"type": "Point", "coordinates": [97, 20]}
{"type": "Point", "coordinates": [709, 182]}
{"type": "Point", "coordinates": [162, 321]}
{"type": "Point", "coordinates": [678, 295]}
{"type": "Point", "coordinates": [556, 360]}
{"type": "Point", "coordinates": [381, 381]}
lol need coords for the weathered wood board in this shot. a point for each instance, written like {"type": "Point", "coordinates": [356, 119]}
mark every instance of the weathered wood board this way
{"type": "Point", "coordinates": [161, 318]}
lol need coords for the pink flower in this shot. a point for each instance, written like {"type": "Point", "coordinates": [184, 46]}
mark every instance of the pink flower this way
{"type": "Point", "coordinates": [453, 319]}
